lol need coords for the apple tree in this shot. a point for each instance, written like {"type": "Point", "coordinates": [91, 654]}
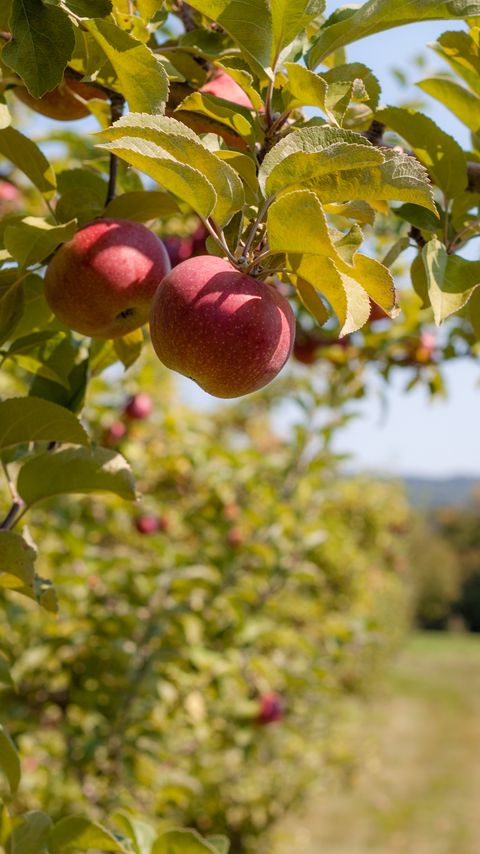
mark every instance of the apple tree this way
{"type": "Point", "coordinates": [204, 122]}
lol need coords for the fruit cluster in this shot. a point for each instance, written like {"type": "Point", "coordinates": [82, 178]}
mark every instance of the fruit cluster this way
{"type": "Point", "coordinates": [210, 321]}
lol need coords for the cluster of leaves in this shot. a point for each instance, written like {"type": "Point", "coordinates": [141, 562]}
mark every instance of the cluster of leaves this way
{"type": "Point", "coordinates": [268, 574]}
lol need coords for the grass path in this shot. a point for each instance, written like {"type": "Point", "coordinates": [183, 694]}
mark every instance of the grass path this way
{"type": "Point", "coordinates": [418, 790]}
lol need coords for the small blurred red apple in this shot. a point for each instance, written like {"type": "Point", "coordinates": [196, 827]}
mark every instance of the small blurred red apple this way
{"type": "Point", "coordinates": [139, 406]}
{"type": "Point", "coordinates": [272, 708]}
{"type": "Point", "coordinates": [235, 537]}
{"type": "Point", "coordinates": [114, 434]}
{"type": "Point", "coordinates": [178, 248]}
{"type": "Point", "coordinates": [147, 524]}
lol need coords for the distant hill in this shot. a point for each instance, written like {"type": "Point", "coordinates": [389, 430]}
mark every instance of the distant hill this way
{"type": "Point", "coordinates": [433, 492]}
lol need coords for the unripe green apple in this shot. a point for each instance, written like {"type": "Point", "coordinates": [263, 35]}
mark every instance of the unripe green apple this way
{"type": "Point", "coordinates": [101, 283]}
{"type": "Point", "coordinates": [226, 330]}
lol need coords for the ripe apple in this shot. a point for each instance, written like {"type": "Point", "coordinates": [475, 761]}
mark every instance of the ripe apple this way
{"type": "Point", "coordinates": [271, 708]}
{"type": "Point", "coordinates": [114, 434]}
{"type": "Point", "coordinates": [226, 330]}
{"type": "Point", "coordinates": [146, 524]}
{"type": "Point", "coordinates": [234, 537]}
{"type": "Point", "coordinates": [65, 103]}
{"type": "Point", "coordinates": [101, 283]}
{"type": "Point", "coordinates": [305, 350]}
{"type": "Point", "coordinates": [426, 347]}
{"type": "Point", "coordinates": [224, 86]}
{"type": "Point", "coordinates": [178, 248]}
{"type": "Point", "coordinates": [377, 313]}
{"type": "Point", "coordinates": [181, 248]}
{"type": "Point", "coordinates": [139, 406]}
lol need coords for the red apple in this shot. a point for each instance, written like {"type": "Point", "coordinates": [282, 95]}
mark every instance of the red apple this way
{"type": "Point", "coordinates": [9, 192]}
{"type": "Point", "coordinates": [147, 524]}
{"type": "Point", "coordinates": [377, 313]}
{"type": "Point", "coordinates": [114, 434]}
{"type": "Point", "coordinates": [139, 406]}
{"type": "Point", "coordinates": [65, 103]}
{"type": "Point", "coordinates": [305, 350]}
{"type": "Point", "coordinates": [178, 248]}
{"type": "Point", "coordinates": [229, 332]}
{"type": "Point", "coordinates": [234, 537]}
{"type": "Point", "coordinates": [101, 283]}
{"type": "Point", "coordinates": [271, 708]}
{"type": "Point", "coordinates": [224, 86]}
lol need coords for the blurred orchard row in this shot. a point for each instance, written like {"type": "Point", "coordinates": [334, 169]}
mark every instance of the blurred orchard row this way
{"type": "Point", "coordinates": [210, 634]}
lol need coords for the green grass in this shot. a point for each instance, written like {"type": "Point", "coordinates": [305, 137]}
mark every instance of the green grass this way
{"type": "Point", "coordinates": [417, 787]}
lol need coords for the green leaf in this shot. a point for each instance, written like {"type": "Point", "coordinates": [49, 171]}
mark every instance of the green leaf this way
{"type": "Point", "coordinates": [129, 348]}
{"type": "Point", "coordinates": [438, 151]}
{"type": "Point", "coordinates": [311, 151]}
{"type": "Point", "coordinates": [30, 419]}
{"type": "Point", "coordinates": [321, 159]}
{"type": "Point", "coordinates": [186, 183]}
{"type": "Point", "coordinates": [9, 761]}
{"type": "Point", "coordinates": [17, 559]}
{"type": "Point", "coordinates": [11, 302]}
{"type": "Point", "coordinates": [141, 834]}
{"type": "Point", "coordinates": [346, 279]}
{"type": "Point", "coordinates": [239, 119]}
{"type": "Point", "coordinates": [141, 76]}
{"type": "Point", "coordinates": [32, 239]}
{"type": "Point", "coordinates": [333, 90]}
{"type": "Point", "coordinates": [30, 832]}
{"type": "Point", "coordinates": [312, 301]}
{"type": "Point", "coordinates": [75, 470]}
{"type": "Point", "coordinates": [89, 8]}
{"type": "Point", "coordinates": [289, 20]}
{"type": "Point", "coordinates": [305, 88]}
{"type": "Point", "coordinates": [461, 51]}
{"type": "Point", "coordinates": [451, 279]}
{"type": "Point", "coordinates": [220, 843]}
{"type": "Point", "coordinates": [421, 218]}
{"type": "Point", "coordinates": [78, 833]}
{"type": "Point", "coordinates": [375, 16]}
{"type": "Point", "coordinates": [172, 142]}
{"type": "Point", "coordinates": [43, 593]}
{"type": "Point", "coordinates": [42, 42]}
{"type": "Point", "coordinates": [5, 678]}
{"type": "Point", "coordinates": [27, 157]}
{"type": "Point", "coordinates": [182, 842]}
{"type": "Point", "coordinates": [418, 276]}
{"type": "Point", "coordinates": [142, 206]}
{"type": "Point", "coordinates": [460, 101]}
{"type": "Point", "coordinates": [249, 24]}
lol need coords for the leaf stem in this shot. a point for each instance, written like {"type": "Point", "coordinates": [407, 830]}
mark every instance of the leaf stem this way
{"type": "Point", "coordinates": [17, 505]}
{"type": "Point", "coordinates": [219, 238]}
{"type": "Point", "coordinates": [253, 228]}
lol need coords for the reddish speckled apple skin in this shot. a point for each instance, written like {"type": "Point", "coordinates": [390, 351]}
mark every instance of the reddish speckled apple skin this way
{"type": "Point", "coordinates": [62, 103]}
{"type": "Point", "coordinates": [224, 86]}
{"type": "Point", "coordinates": [108, 267]}
{"type": "Point", "coordinates": [229, 332]}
